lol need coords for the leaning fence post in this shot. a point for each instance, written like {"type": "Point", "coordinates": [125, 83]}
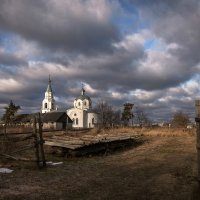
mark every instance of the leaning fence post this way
{"type": "Point", "coordinates": [40, 157]}
{"type": "Point", "coordinates": [41, 141]}
{"type": "Point", "coordinates": [197, 119]}
{"type": "Point", "coordinates": [36, 141]}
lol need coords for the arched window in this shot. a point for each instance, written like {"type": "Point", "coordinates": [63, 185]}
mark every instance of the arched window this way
{"type": "Point", "coordinates": [92, 120]}
{"type": "Point", "coordinates": [45, 105]}
{"type": "Point", "coordinates": [76, 121]}
{"type": "Point", "coordinates": [79, 103]}
{"type": "Point", "coordinates": [85, 103]}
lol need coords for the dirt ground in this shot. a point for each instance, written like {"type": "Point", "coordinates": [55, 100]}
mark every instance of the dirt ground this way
{"type": "Point", "coordinates": [162, 168]}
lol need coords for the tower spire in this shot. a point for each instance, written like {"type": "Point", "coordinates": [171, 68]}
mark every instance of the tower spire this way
{"type": "Point", "coordinates": [82, 90]}
{"type": "Point", "coordinates": [49, 89]}
{"type": "Point", "coordinates": [48, 103]}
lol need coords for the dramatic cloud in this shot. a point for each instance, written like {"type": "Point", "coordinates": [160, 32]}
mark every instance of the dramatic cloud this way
{"type": "Point", "coordinates": [80, 26]}
{"type": "Point", "coordinates": [177, 23]}
{"type": "Point", "coordinates": [7, 59]}
{"type": "Point", "coordinates": [145, 52]}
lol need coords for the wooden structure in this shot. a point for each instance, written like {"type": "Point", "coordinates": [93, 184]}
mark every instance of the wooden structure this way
{"type": "Point", "coordinates": [86, 144]}
{"type": "Point", "coordinates": [37, 133]}
{"type": "Point", "coordinates": [197, 119]}
{"type": "Point", "coordinates": [16, 143]}
{"type": "Point", "coordinates": [56, 121]}
{"type": "Point", "coordinates": [50, 121]}
{"type": "Point", "coordinates": [70, 142]}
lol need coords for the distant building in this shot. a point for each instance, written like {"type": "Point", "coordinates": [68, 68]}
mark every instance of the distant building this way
{"type": "Point", "coordinates": [51, 120]}
{"type": "Point", "coordinates": [48, 104]}
{"type": "Point", "coordinates": [56, 121]}
{"type": "Point", "coordinates": [82, 114]}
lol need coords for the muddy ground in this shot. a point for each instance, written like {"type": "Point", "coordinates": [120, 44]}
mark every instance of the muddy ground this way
{"type": "Point", "coordinates": [163, 167]}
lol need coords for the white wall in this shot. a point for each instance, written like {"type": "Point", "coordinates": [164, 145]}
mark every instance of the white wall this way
{"type": "Point", "coordinates": [75, 113]}
{"type": "Point", "coordinates": [82, 104]}
{"type": "Point", "coordinates": [91, 123]}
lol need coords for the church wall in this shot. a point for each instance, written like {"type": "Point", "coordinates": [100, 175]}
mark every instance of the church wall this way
{"type": "Point", "coordinates": [85, 119]}
{"type": "Point", "coordinates": [74, 114]}
{"type": "Point", "coordinates": [50, 105]}
{"type": "Point", "coordinates": [81, 113]}
{"type": "Point", "coordinates": [92, 120]}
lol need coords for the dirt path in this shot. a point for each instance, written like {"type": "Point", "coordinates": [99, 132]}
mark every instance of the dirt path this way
{"type": "Point", "coordinates": [161, 168]}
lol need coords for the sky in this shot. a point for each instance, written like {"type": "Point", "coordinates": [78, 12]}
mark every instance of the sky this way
{"type": "Point", "coordinates": [145, 52]}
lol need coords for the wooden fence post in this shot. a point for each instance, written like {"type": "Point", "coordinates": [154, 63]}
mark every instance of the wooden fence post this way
{"type": "Point", "coordinates": [197, 119]}
{"type": "Point", "coordinates": [40, 157]}
{"type": "Point", "coordinates": [36, 141]}
{"type": "Point", "coordinates": [41, 141]}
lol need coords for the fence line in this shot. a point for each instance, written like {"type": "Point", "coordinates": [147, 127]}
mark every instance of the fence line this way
{"type": "Point", "coordinates": [35, 139]}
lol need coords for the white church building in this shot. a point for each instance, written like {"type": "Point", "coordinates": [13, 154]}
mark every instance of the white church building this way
{"type": "Point", "coordinates": [48, 104]}
{"type": "Point", "coordinates": [81, 114]}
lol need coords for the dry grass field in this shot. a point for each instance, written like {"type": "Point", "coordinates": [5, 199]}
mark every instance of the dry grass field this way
{"type": "Point", "coordinates": [162, 168]}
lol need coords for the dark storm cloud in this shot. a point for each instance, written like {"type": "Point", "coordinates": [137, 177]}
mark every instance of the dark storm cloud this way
{"type": "Point", "coordinates": [129, 70]}
{"type": "Point", "coordinates": [81, 26]}
{"type": "Point", "coordinates": [177, 24]}
{"type": "Point", "coordinates": [7, 59]}
{"type": "Point", "coordinates": [76, 41]}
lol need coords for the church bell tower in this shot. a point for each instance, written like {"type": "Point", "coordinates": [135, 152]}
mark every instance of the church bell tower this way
{"type": "Point", "coordinates": [48, 104]}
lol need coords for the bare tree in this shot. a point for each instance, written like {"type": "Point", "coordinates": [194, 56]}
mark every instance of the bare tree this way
{"type": "Point", "coordinates": [116, 119]}
{"type": "Point", "coordinates": [107, 115]}
{"type": "Point", "coordinates": [141, 117]}
{"type": "Point", "coordinates": [104, 111]}
{"type": "Point", "coordinates": [180, 120]}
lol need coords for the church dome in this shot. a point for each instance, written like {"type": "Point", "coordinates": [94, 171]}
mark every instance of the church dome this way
{"type": "Point", "coordinates": [83, 97]}
{"type": "Point", "coordinates": [83, 101]}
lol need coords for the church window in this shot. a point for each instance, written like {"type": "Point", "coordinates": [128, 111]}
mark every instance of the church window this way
{"type": "Point", "coordinates": [79, 103]}
{"type": "Point", "coordinates": [92, 120]}
{"type": "Point", "coordinates": [85, 103]}
{"type": "Point", "coordinates": [76, 121]}
{"type": "Point", "coordinates": [45, 105]}
{"type": "Point", "coordinates": [75, 114]}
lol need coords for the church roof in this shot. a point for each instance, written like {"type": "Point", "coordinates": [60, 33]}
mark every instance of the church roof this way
{"type": "Point", "coordinates": [22, 118]}
{"type": "Point", "coordinates": [45, 117]}
{"type": "Point", "coordinates": [83, 96]}
{"type": "Point", "coordinates": [54, 117]}
{"type": "Point", "coordinates": [49, 89]}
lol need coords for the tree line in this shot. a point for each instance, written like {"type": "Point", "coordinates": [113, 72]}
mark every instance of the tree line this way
{"type": "Point", "coordinates": [110, 117]}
